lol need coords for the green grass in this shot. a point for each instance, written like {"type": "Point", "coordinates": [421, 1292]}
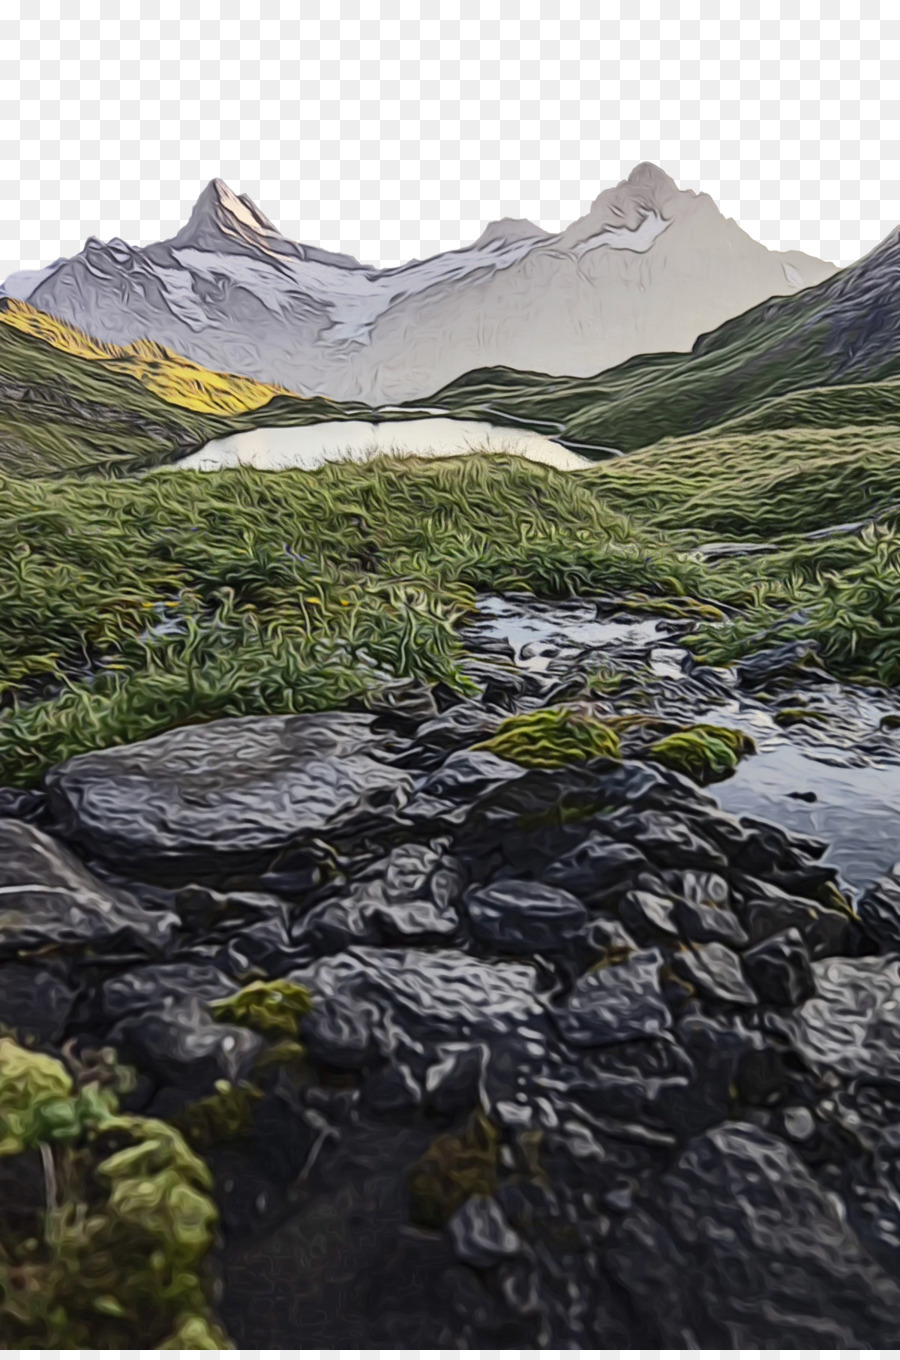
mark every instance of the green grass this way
{"type": "Point", "coordinates": [297, 590]}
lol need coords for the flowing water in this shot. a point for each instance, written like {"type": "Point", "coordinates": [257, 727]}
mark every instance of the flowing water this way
{"type": "Point", "coordinates": [836, 777]}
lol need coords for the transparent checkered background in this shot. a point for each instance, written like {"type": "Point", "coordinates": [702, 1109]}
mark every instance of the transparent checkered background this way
{"type": "Point", "coordinates": [391, 130]}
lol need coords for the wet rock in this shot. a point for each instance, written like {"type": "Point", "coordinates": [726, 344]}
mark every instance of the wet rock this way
{"type": "Point", "coordinates": [879, 910]}
{"type": "Point", "coordinates": [715, 972]}
{"type": "Point", "coordinates": [22, 805]}
{"type": "Point", "coordinates": [160, 1021]}
{"type": "Point", "coordinates": [481, 1235]}
{"type": "Point", "coordinates": [409, 897]}
{"type": "Point", "coordinates": [445, 796]}
{"type": "Point", "coordinates": [780, 970]}
{"type": "Point", "coordinates": [778, 663]}
{"type": "Point", "coordinates": [515, 916]}
{"type": "Point", "coordinates": [671, 844]}
{"type": "Point", "coordinates": [852, 1026]}
{"type": "Point", "coordinates": [49, 900]}
{"type": "Point", "coordinates": [204, 800]}
{"type": "Point", "coordinates": [616, 1003]}
{"type": "Point", "coordinates": [740, 1247]}
{"type": "Point", "coordinates": [767, 910]}
{"type": "Point", "coordinates": [35, 1001]}
{"type": "Point", "coordinates": [648, 915]}
{"type": "Point", "coordinates": [405, 1004]}
{"type": "Point", "coordinates": [463, 725]}
{"type": "Point", "coordinates": [453, 1084]}
{"type": "Point", "coordinates": [703, 924]}
{"type": "Point", "coordinates": [594, 867]}
{"type": "Point", "coordinates": [265, 949]}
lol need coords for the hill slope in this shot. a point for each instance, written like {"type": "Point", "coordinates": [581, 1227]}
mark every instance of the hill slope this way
{"type": "Point", "coordinates": [844, 331]}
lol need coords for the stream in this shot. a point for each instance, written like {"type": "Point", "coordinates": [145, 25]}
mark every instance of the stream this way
{"type": "Point", "coordinates": [835, 776]}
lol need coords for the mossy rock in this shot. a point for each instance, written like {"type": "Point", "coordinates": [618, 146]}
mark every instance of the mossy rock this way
{"type": "Point", "coordinates": [552, 738]}
{"type": "Point", "coordinates": [29, 1083]}
{"type": "Point", "coordinates": [455, 1167]}
{"type": "Point", "coordinates": [704, 753]}
{"type": "Point", "coordinates": [273, 1009]}
{"type": "Point", "coordinates": [791, 717]}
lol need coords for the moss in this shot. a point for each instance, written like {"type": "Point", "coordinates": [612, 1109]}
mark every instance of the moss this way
{"type": "Point", "coordinates": [551, 738]}
{"type": "Point", "coordinates": [219, 1118]}
{"type": "Point", "coordinates": [273, 1009]}
{"type": "Point", "coordinates": [110, 1251]}
{"type": "Point", "coordinates": [455, 1167]}
{"type": "Point", "coordinates": [704, 753]}
{"type": "Point", "coordinates": [790, 717]}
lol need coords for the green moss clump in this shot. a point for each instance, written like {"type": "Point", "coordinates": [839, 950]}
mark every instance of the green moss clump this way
{"type": "Point", "coordinates": [111, 1252]}
{"type": "Point", "coordinates": [273, 1009]}
{"type": "Point", "coordinates": [455, 1167]}
{"type": "Point", "coordinates": [551, 738]}
{"type": "Point", "coordinates": [704, 753]}
{"type": "Point", "coordinates": [790, 717]}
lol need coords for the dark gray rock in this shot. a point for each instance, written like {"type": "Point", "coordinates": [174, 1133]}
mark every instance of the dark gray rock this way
{"type": "Point", "coordinates": [616, 1003]}
{"type": "Point", "coordinates": [204, 800]}
{"type": "Point", "coordinates": [36, 1001]}
{"type": "Point", "coordinates": [409, 897]}
{"type": "Point", "coordinates": [481, 1235]}
{"type": "Point", "coordinates": [516, 916]}
{"type": "Point", "coordinates": [780, 970]}
{"type": "Point", "coordinates": [740, 1247]}
{"type": "Point", "coordinates": [852, 1026]}
{"type": "Point", "coordinates": [405, 1005]}
{"type": "Point", "coordinates": [879, 910]}
{"type": "Point", "coordinates": [160, 1020]}
{"type": "Point", "coordinates": [593, 868]}
{"type": "Point", "coordinates": [704, 924]}
{"type": "Point", "coordinates": [445, 796]}
{"type": "Point", "coordinates": [779, 663]}
{"type": "Point", "coordinates": [669, 843]}
{"type": "Point", "coordinates": [49, 900]}
{"type": "Point", "coordinates": [767, 910]}
{"type": "Point", "coordinates": [648, 915]}
{"type": "Point", "coordinates": [715, 972]}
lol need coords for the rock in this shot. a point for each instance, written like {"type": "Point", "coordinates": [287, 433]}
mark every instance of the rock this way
{"type": "Point", "coordinates": [778, 663]}
{"type": "Point", "coordinates": [202, 801]}
{"type": "Point", "coordinates": [481, 1235]}
{"type": "Point", "coordinates": [159, 1020]}
{"type": "Point", "coordinates": [515, 916]}
{"type": "Point", "coordinates": [264, 948]}
{"type": "Point", "coordinates": [409, 897]}
{"type": "Point", "coordinates": [405, 1005]}
{"type": "Point", "coordinates": [780, 970]}
{"type": "Point", "coordinates": [445, 796]}
{"type": "Point", "coordinates": [22, 805]}
{"type": "Point", "coordinates": [648, 915]}
{"type": "Point", "coordinates": [669, 843]}
{"type": "Point", "coordinates": [738, 1246]}
{"type": "Point", "coordinates": [879, 910]}
{"type": "Point", "coordinates": [715, 972]}
{"type": "Point", "coordinates": [703, 924]}
{"type": "Point", "coordinates": [852, 1026]}
{"type": "Point", "coordinates": [616, 1003]}
{"type": "Point", "coordinates": [35, 1001]}
{"type": "Point", "coordinates": [594, 867]}
{"type": "Point", "coordinates": [49, 900]}
{"type": "Point", "coordinates": [767, 910]}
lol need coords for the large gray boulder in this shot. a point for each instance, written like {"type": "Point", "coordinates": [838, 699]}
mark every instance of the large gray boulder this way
{"type": "Point", "coordinates": [50, 901]}
{"type": "Point", "coordinates": [738, 1246]}
{"type": "Point", "coordinates": [851, 1028]}
{"type": "Point", "coordinates": [229, 794]}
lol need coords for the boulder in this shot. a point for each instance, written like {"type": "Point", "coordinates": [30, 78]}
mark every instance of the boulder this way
{"type": "Point", "coordinates": [780, 970]}
{"type": "Point", "coordinates": [205, 800]}
{"type": "Point", "coordinates": [715, 972]}
{"type": "Point", "coordinates": [50, 901]}
{"type": "Point", "coordinates": [616, 1003]}
{"type": "Point", "coordinates": [481, 1235]}
{"type": "Point", "coordinates": [738, 1246]}
{"type": "Point", "coordinates": [594, 867]}
{"type": "Point", "coordinates": [35, 1001]}
{"type": "Point", "coordinates": [851, 1027]}
{"type": "Point", "coordinates": [879, 910]}
{"type": "Point", "coordinates": [516, 916]}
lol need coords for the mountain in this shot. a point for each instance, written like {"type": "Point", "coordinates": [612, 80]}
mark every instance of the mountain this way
{"type": "Point", "coordinates": [649, 267]}
{"type": "Point", "coordinates": [843, 333]}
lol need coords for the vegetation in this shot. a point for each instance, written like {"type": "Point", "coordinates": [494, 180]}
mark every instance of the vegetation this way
{"type": "Point", "coordinates": [455, 1167]}
{"type": "Point", "coordinates": [104, 1242]}
{"type": "Point", "coordinates": [552, 737]}
{"type": "Point", "coordinates": [703, 752]}
{"type": "Point", "coordinates": [127, 607]}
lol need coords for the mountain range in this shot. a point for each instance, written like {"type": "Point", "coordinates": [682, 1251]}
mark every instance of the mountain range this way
{"type": "Point", "coordinates": [649, 268]}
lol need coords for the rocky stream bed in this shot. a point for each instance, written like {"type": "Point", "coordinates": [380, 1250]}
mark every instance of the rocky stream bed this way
{"type": "Point", "coordinates": [594, 1056]}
